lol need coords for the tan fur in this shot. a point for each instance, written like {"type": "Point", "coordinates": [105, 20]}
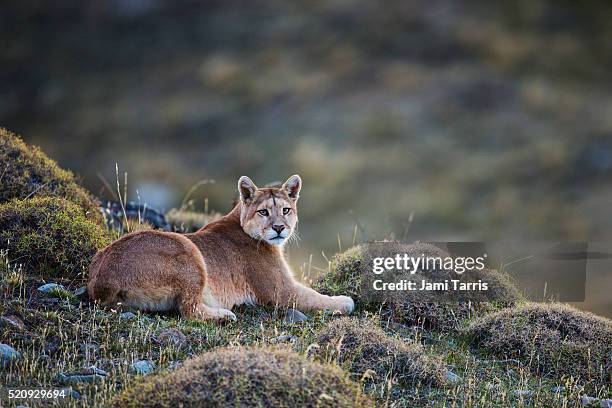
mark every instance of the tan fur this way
{"type": "Point", "coordinates": [235, 260]}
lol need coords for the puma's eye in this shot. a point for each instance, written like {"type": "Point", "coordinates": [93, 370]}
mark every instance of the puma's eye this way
{"type": "Point", "coordinates": [264, 212]}
{"type": "Point", "coordinates": [286, 210]}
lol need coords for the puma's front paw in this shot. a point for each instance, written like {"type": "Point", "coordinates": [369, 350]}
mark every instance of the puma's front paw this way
{"type": "Point", "coordinates": [343, 304]}
{"type": "Point", "coordinates": [227, 315]}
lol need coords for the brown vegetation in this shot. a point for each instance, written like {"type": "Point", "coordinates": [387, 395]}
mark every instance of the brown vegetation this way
{"type": "Point", "coordinates": [360, 345]}
{"type": "Point", "coordinates": [552, 339]}
{"type": "Point", "coordinates": [249, 377]}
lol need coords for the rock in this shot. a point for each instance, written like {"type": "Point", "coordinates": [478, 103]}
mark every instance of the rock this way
{"type": "Point", "coordinates": [605, 403]}
{"type": "Point", "coordinates": [94, 370]}
{"type": "Point", "coordinates": [143, 367]}
{"type": "Point", "coordinates": [174, 365]}
{"type": "Point", "coordinates": [522, 393]}
{"type": "Point", "coordinates": [8, 355]}
{"type": "Point", "coordinates": [71, 393]}
{"type": "Point", "coordinates": [49, 287]}
{"type": "Point", "coordinates": [452, 377]}
{"type": "Point", "coordinates": [89, 348]}
{"type": "Point", "coordinates": [586, 400]}
{"type": "Point", "coordinates": [81, 292]}
{"type": "Point", "coordinates": [287, 338]}
{"type": "Point", "coordinates": [128, 315]}
{"type": "Point", "coordinates": [12, 322]}
{"type": "Point", "coordinates": [294, 316]}
{"type": "Point", "coordinates": [80, 378]}
{"type": "Point", "coordinates": [90, 374]}
{"type": "Point", "coordinates": [171, 337]}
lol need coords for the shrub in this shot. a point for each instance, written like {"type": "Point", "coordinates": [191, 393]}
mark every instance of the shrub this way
{"type": "Point", "coordinates": [249, 377]}
{"type": "Point", "coordinates": [350, 272]}
{"type": "Point", "coordinates": [27, 172]}
{"type": "Point", "coordinates": [359, 345]}
{"type": "Point", "coordinates": [50, 236]}
{"type": "Point", "coordinates": [185, 220]}
{"type": "Point", "coordinates": [551, 339]}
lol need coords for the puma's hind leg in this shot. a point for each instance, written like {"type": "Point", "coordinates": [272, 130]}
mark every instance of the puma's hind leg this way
{"type": "Point", "coordinates": [190, 301]}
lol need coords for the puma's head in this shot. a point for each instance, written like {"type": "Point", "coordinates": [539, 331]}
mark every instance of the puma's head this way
{"type": "Point", "coordinates": [269, 214]}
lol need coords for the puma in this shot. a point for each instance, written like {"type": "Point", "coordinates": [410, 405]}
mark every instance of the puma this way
{"type": "Point", "coordinates": [235, 260]}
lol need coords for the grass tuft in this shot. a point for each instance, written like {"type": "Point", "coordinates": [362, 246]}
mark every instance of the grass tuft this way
{"type": "Point", "coordinates": [350, 271]}
{"type": "Point", "coordinates": [50, 236]}
{"type": "Point", "coordinates": [553, 340]}
{"type": "Point", "coordinates": [27, 172]}
{"type": "Point", "coordinates": [253, 377]}
{"type": "Point", "coordinates": [362, 347]}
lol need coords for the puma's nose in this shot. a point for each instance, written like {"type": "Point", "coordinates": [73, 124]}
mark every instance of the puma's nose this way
{"type": "Point", "coordinates": [278, 228]}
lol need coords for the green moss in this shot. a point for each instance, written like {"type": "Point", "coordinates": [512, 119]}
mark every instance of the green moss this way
{"type": "Point", "coordinates": [351, 272]}
{"type": "Point", "coordinates": [247, 377]}
{"type": "Point", "coordinates": [50, 236]}
{"type": "Point", "coordinates": [28, 172]}
{"type": "Point", "coordinates": [360, 345]}
{"type": "Point", "coordinates": [551, 339]}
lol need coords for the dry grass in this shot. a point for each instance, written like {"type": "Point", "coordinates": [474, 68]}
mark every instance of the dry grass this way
{"type": "Point", "coordinates": [362, 347]}
{"type": "Point", "coordinates": [554, 340]}
{"type": "Point", "coordinates": [188, 220]}
{"type": "Point", "coordinates": [247, 377]}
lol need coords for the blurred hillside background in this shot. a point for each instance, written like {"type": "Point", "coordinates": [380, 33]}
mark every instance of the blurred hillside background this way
{"type": "Point", "coordinates": [484, 120]}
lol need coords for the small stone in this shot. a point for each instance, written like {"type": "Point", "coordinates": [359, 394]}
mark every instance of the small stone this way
{"type": "Point", "coordinates": [95, 370]}
{"type": "Point", "coordinates": [287, 338]}
{"type": "Point", "coordinates": [586, 400]}
{"type": "Point", "coordinates": [49, 287]}
{"type": "Point", "coordinates": [143, 367]}
{"type": "Point", "coordinates": [12, 322]}
{"type": "Point", "coordinates": [8, 355]}
{"type": "Point", "coordinates": [89, 348]}
{"type": "Point", "coordinates": [80, 378]}
{"type": "Point", "coordinates": [171, 337]}
{"type": "Point", "coordinates": [452, 377]}
{"type": "Point", "coordinates": [81, 292]}
{"type": "Point", "coordinates": [71, 393]}
{"type": "Point", "coordinates": [605, 403]}
{"type": "Point", "coordinates": [128, 315]}
{"type": "Point", "coordinates": [295, 316]}
{"type": "Point", "coordinates": [522, 393]}
{"type": "Point", "coordinates": [174, 365]}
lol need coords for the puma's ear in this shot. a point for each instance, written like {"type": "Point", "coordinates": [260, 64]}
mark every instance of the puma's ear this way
{"type": "Point", "coordinates": [247, 188]}
{"type": "Point", "coordinates": [292, 186]}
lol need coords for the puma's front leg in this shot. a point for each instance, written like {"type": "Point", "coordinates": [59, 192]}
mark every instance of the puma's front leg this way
{"type": "Point", "coordinates": [309, 299]}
